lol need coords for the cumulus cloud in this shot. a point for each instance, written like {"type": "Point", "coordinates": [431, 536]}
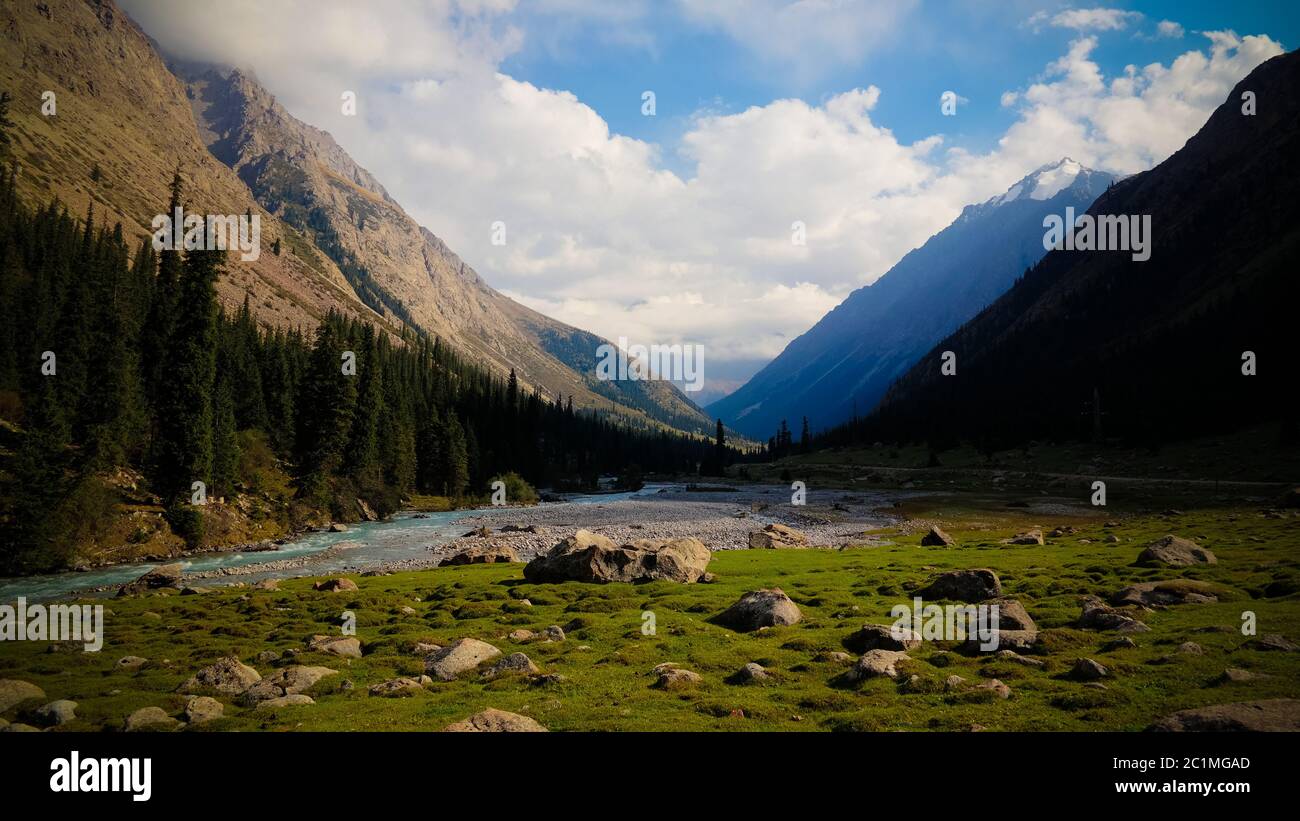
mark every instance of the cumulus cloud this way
{"type": "Point", "coordinates": [1170, 29]}
{"type": "Point", "coordinates": [1094, 19]}
{"type": "Point", "coordinates": [601, 234]}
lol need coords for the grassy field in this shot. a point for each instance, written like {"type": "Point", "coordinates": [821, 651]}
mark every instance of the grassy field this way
{"type": "Point", "coordinates": [606, 660]}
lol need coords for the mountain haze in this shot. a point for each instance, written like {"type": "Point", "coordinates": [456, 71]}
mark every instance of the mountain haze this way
{"type": "Point", "coordinates": [846, 362]}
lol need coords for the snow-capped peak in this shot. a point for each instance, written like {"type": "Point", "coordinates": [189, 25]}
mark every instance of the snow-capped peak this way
{"type": "Point", "coordinates": [1042, 184]}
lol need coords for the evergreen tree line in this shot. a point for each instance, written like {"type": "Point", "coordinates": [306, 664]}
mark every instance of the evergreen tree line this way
{"type": "Point", "coordinates": [111, 360]}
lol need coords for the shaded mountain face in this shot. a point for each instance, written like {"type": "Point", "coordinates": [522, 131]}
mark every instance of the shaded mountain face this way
{"type": "Point", "coordinates": [120, 128]}
{"type": "Point", "coordinates": [846, 362]}
{"type": "Point", "coordinates": [1161, 344]}
{"type": "Point", "coordinates": [397, 267]}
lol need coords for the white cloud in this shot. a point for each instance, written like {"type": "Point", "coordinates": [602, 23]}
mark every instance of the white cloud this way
{"type": "Point", "coordinates": [1170, 29]}
{"type": "Point", "coordinates": [603, 236]}
{"type": "Point", "coordinates": [1094, 19]}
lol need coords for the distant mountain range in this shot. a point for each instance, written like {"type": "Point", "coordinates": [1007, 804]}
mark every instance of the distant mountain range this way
{"type": "Point", "coordinates": [129, 118]}
{"type": "Point", "coordinates": [844, 364]}
{"type": "Point", "coordinates": [1198, 339]}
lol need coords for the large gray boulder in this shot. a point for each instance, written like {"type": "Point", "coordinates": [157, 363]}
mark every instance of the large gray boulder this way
{"type": "Point", "coordinates": [495, 721]}
{"type": "Point", "coordinates": [882, 637]}
{"type": "Point", "coordinates": [877, 663]}
{"type": "Point", "coordinates": [591, 557]}
{"type": "Point", "coordinates": [974, 585]}
{"type": "Point", "coordinates": [228, 676]}
{"type": "Point", "coordinates": [1174, 551]}
{"type": "Point", "coordinates": [458, 657]}
{"type": "Point", "coordinates": [166, 575]}
{"type": "Point", "coordinates": [760, 608]}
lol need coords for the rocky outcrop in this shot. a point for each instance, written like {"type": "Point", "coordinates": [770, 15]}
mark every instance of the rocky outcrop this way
{"type": "Point", "coordinates": [591, 557]}
{"type": "Point", "coordinates": [760, 608]}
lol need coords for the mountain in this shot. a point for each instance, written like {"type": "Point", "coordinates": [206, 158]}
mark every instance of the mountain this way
{"type": "Point", "coordinates": [1161, 344]}
{"type": "Point", "coordinates": [129, 119]}
{"type": "Point", "coordinates": [845, 363]}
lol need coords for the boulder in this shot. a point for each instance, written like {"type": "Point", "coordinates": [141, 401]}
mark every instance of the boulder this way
{"type": "Point", "coordinates": [777, 536]}
{"type": "Point", "coordinates": [672, 677]}
{"type": "Point", "coordinates": [882, 637]}
{"type": "Point", "coordinates": [56, 712]}
{"type": "Point", "coordinates": [345, 646]}
{"type": "Point", "coordinates": [515, 663]}
{"type": "Point", "coordinates": [201, 709]}
{"type": "Point", "coordinates": [267, 584]}
{"type": "Point", "coordinates": [397, 688]}
{"type": "Point", "coordinates": [167, 575]}
{"type": "Point", "coordinates": [1012, 615]}
{"type": "Point", "coordinates": [335, 585]}
{"type": "Point", "coordinates": [999, 690]}
{"type": "Point", "coordinates": [150, 719]}
{"type": "Point", "coordinates": [751, 673]}
{"type": "Point", "coordinates": [974, 585]}
{"type": "Point", "coordinates": [760, 608]}
{"type": "Point", "coordinates": [1269, 716]}
{"type": "Point", "coordinates": [1088, 670]}
{"type": "Point", "coordinates": [338, 527]}
{"type": "Point", "coordinates": [492, 554]}
{"type": "Point", "coordinates": [15, 691]}
{"type": "Point", "coordinates": [131, 662]}
{"type": "Point", "coordinates": [1097, 615]}
{"type": "Point", "coordinates": [458, 657]}
{"type": "Point", "coordinates": [1028, 537]}
{"type": "Point", "coordinates": [591, 557]}
{"type": "Point", "coordinates": [1236, 675]}
{"type": "Point", "coordinates": [1275, 642]}
{"type": "Point", "coordinates": [1173, 551]}
{"type": "Point", "coordinates": [877, 663]}
{"type": "Point", "coordinates": [1015, 658]}
{"type": "Point", "coordinates": [228, 675]}
{"type": "Point", "coordinates": [495, 721]}
{"type": "Point", "coordinates": [937, 538]}
{"type": "Point", "coordinates": [290, 700]}
{"type": "Point", "coordinates": [1174, 591]}
{"type": "Point", "coordinates": [287, 682]}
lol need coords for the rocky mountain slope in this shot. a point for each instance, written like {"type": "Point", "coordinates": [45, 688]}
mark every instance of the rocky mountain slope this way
{"type": "Point", "coordinates": [845, 362]}
{"type": "Point", "coordinates": [125, 122]}
{"type": "Point", "coordinates": [397, 267]}
{"type": "Point", "coordinates": [1164, 345]}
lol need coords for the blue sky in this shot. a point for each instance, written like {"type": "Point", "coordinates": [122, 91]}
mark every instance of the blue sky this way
{"type": "Point", "coordinates": [677, 228]}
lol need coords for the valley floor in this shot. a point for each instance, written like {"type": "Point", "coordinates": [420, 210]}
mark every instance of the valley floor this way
{"type": "Point", "coordinates": [599, 675]}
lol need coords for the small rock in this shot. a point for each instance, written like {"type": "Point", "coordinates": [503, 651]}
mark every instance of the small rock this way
{"type": "Point", "coordinates": [335, 585]}
{"type": "Point", "coordinates": [1088, 670]}
{"type": "Point", "coordinates": [290, 700]}
{"type": "Point", "coordinates": [56, 712]}
{"type": "Point", "coordinates": [201, 709]}
{"type": "Point", "coordinates": [937, 538]}
{"type": "Point", "coordinates": [228, 675]}
{"type": "Point", "coordinates": [403, 687]}
{"type": "Point", "coordinates": [150, 719]}
{"type": "Point", "coordinates": [511, 664]}
{"type": "Point", "coordinates": [496, 721]}
{"type": "Point", "coordinates": [876, 663]}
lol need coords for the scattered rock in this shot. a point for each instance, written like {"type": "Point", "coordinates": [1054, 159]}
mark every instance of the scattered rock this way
{"type": "Point", "coordinates": [131, 662]}
{"type": "Point", "coordinates": [201, 709]}
{"type": "Point", "coordinates": [974, 585]}
{"type": "Point", "coordinates": [511, 664]}
{"type": "Point", "coordinates": [751, 673]}
{"type": "Point", "coordinates": [56, 712]}
{"type": "Point", "coordinates": [777, 536]}
{"type": "Point", "coordinates": [1236, 675]}
{"type": "Point", "coordinates": [491, 554]}
{"type": "Point", "coordinates": [1028, 537]}
{"type": "Point", "coordinates": [591, 557]}
{"type": "Point", "coordinates": [290, 700]}
{"type": "Point", "coordinates": [998, 689]}
{"type": "Point", "coordinates": [335, 585]}
{"type": "Point", "coordinates": [397, 688]}
{"type": "Point", "coordinates": [287, 682]}
{"type": "Point", "coordinates": [167, 575]}
{"type": "Point", "coordinates": [1272, 715]}
{"type": "Point", "coordinates": [760, 608]}
{"type": "Point", "coordinates": [337, 527]}
{"type": "Point", "coordinates": [882, 637]}
{"type": "Point", "coordinates": [1277, 642]}
{"type": "Point", "coordinates": [150, 719]}
{"type": "Point", "coordinates": [937, 538]}
{"type": "Point", "coordinates": [1088, 670]}
{"type": "Point", "coordinates": [1175, 552]}
{"type": "Point", "coordinates": [267, 584]}
{"type": "Point", "coordinates": [1015, 658]}
{"type": "Point", "coordinates": [1097, 615]}
{"type": "Point", "coordinates": [672, 677]}
{"type": "Point", "coordinates": [521, 635]}
{"type": "Point", "coordinates": [876, 663]}
{"type": "Point", "coordinates": [1174, 591]}
{"type": "Point", "coordinates": [345, 646]}
{"type": "Point", "coordinates": [1121, 643]}
{"type": "Point", "coordinates": [228, 675]}
{"type": "Point", "coordinates": [496, 721]}
{"type": "Point", "coordinates": [459, 657]}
